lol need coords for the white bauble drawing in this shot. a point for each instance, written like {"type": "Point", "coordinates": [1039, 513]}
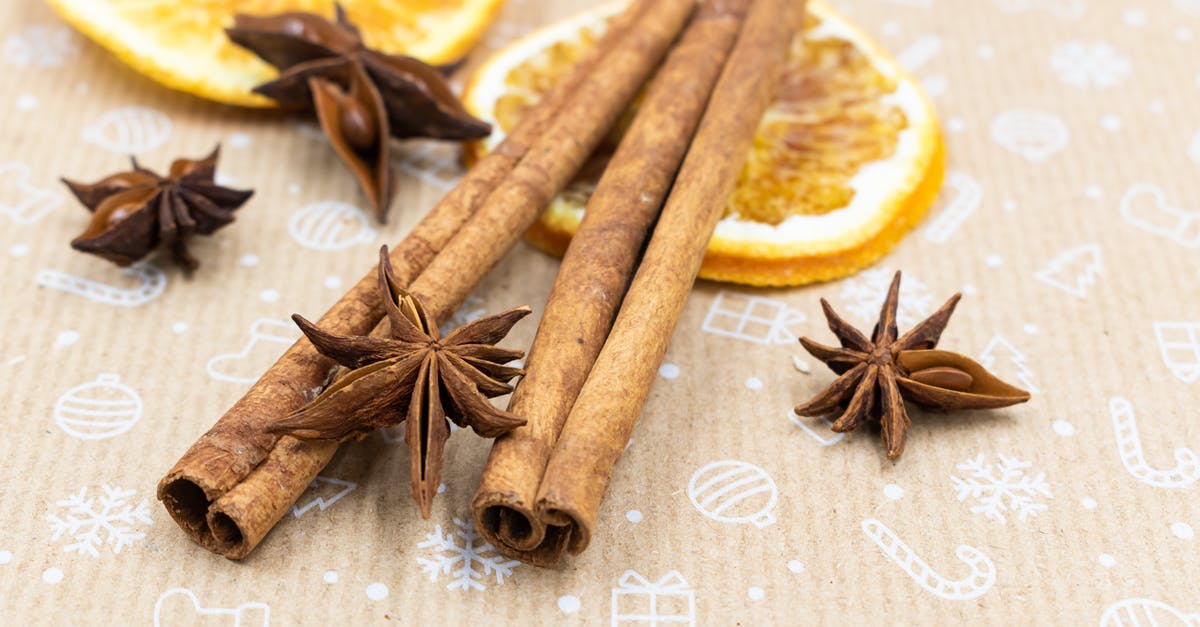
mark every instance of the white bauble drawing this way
{"type": "Point", "coordinates": [1137, 612]}
{"type": "Point", "coordinates": [98, 409]}
{"type": "Point", "coordinates": [330, 225]}
{"type": "Point", "coordinates": [129, 130]}
{"type": "Point", "coordinates": [732, 491]}
{"type": "Point", "coordinates": [1033, 134]}
{"type": "Point", "coordinates": [1090, 64]}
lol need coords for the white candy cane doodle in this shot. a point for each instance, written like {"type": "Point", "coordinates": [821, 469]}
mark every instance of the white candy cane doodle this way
{"type": "Point", "coordinates": [974, 585]}
{"type": "Point", "coordinates": [965, 200]}
{"type": "Point", "coordinates": [152, 283]}
{"type": "Point", "coordinates": [1137, 612]}
{"type": "Point", "coordinates": [1129, 446]}
{"type": "Point", "coordinates": [821, 438]}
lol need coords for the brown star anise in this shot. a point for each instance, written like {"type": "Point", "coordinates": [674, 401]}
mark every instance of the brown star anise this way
{"type": "Point", "coordinates": [880, 373]}
{"type": "Point", "coordinates": [416, 377]}
{"type": "Point", "coordinates": [361, 96]}
{"type": "Point", "coordinates": [135, 212]}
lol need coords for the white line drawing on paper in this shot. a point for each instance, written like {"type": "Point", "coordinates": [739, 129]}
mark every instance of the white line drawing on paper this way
{"type": "Point", "coordinates": [865, 293]}
{"type": "Point", "coordinates": [20, 200]}
{"type": "Point", "coordinates": [244, 615]}
{"type": "Point", "coordinates": [752, 318]}
{"type": "Point", "coordinates": [670, 600]}
{"type": "Point", "coordinates": [330, 225]}
{"type": "Point", "coordinates": [965, 199]}
{"type": "Point", "coordinates": [1191, 7]}
{"type": "Point", "coordinates": [824, 439]}
{"type": "Point", "coordinates": [436, 163]}
{"type": "Point", "coordinates": [920, 52]}
{"type": "Point", "coordinates": [1090, 64]}
{"type": "Point", "coordinates": [1066, 9]}
{"type": "Point", "coordinates": [1145, 206]}
{"type": "Point", "coordinates": [98, 409]}
{"type": "Point", "coordinates": [981, 578]}
{"type": "Point", "coordinates": [264, 332]}
{"type": "Point", "coordinates": [1034, 134]}
{"type": "Point", "coordinates": [40, 45]}
{"type": "Point", "coordinates": [467, 562]}
{"type": "Point", "coordinates": [732, 491]}
{"type": "Point", "coordinates": [322, 503]}
{"type": "Point", "coordinates": [1013, 368]}
{"type": "Point", "coordinates": [151, 283]}
{"type": "Point", "coordinates": [1137, 612]}
{"type": "Point", "coordinates": [1129, 447]}
{"type": "Point", "coordinates": [1073, 271]}
{"type": "Point", "coordinates": [1001, 487]}
{"type": "Point", "coordinates": [92, 522]}
{"type": "Point", "coordinates": [1179, 344]}
{"type": "Point", "coordinates": [129, 130]}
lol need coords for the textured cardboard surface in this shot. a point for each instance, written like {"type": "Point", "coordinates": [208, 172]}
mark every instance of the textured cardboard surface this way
{"type": "Point", "coordinates": [1070, 219]}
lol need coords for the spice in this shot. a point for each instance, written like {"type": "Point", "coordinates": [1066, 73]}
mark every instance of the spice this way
{"type": "Point", "coordinates": [415, 376]}
{"type": "Point", "coordinates": [135, 212]}
{"type": "Point", "coordinates": [878, 374]}
{"type": "Point", "coordinates": [361, 96]}
{"type": "Point", "coordinates": [593, 276]}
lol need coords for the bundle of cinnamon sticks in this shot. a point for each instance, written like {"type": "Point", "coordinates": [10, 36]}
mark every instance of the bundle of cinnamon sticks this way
{"type": "Point", "coordinates": [592, 363]}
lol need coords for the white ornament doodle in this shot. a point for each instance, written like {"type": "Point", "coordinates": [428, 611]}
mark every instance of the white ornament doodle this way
{"type": "Point", "coordinates": [321, 499]}
{"type": "Point", "coordinates": [1034, 134]}
{"type": "Point", "coordinates": [865, 294]}
{"type": "Point", "coordinates": [98, 409]}
{"type": "Point", "coordinates": [330, 225]}
{"type": "Point", "coordinates": [825, 437]}
{"type": "Point", "coordinates": [168, 612]}
{"type": "Point", "coordinates": [150, 278]}
{"type": "Point", "coordinates": [1137, 612]}
{"type": "Point", "coordinates": [1001, 487]}
{"type": "Point", "coordinates": [1179, 344]}
{"type": "Point", "coordinates": [93, 522]}
{"type": "Point", "coordinates": [1013, 366]}
{"type": "Point", "coordinates": [981, 578]}
{"type": "Point", "coordinates": [1066, 9]}
{"type": "Point", "coordinates": [965, 196]}
{"type": "Point", "coordinates": [1090, 64]}
{"type": "Point", "coordinates": [752, 318]}
{"type": "Point", "coordinates": [637, 600]}
{"type": "Point", "coordinates": [732, 491]}
{"type": "Point", "coordinates": [129, 130]}
{"type": "Point", "coordinates": [268, 337]}
{"type": "Point", "coordinates": [436, 163]}
{"type": "Point", "coordinates": [464, 556]}
{"type": "Point", "coordinates": [20, 200]}
{"type": "Point", "coordinates": [1129, 447]}
{"type": "Point", "coordinates": [1073, 271]}
{"type": "Point", "coordinates": [1145, 206]}
{"type": "Point", "coordinates": [41, 46]}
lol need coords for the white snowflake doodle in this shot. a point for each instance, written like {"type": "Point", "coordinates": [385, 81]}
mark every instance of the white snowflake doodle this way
{"type": "Point", "coordinates": [1001, 487]}
{"type": "Point", "coordinates": [464, 556]}
{"type": "Point", "coordinates": [93, 522]}
{"type": "Point", "coordinates": [866, 293]}
{"type": "Point", "coordinates": [1090, 64]}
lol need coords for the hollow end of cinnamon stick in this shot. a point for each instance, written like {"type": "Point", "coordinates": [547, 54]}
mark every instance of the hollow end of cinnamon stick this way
{"type": "Point", "coordinates": [187, 504]}
{"type": "Point", "coordinates": [518, 534]}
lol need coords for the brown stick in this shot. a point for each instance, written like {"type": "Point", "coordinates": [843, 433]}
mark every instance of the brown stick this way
{"type": "Point", "coordinates": [235, 483]}
{"type": "Point", "coordinates": [594, 274]}
{"type": "Point", "coordinates": [598, 427]}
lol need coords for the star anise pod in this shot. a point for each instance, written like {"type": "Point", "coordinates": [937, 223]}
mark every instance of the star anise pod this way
{"type": "Point", "coordinates": [415, 376]}
{"type": "Point", "coordinates": [135, 212]}
{"type": "Point", "coordinates": [880, 373]}
{"type": "Point", "coordinates": [361, 96]}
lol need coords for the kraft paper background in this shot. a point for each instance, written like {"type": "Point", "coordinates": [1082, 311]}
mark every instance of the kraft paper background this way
{"type": "Point", "coordinates": [1070, 219]}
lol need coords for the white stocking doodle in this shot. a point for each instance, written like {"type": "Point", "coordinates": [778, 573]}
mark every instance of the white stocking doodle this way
{"type": "Point", "coordinates": [1129, 446]}
{"type": "Point", "coordinates": [976, 584]}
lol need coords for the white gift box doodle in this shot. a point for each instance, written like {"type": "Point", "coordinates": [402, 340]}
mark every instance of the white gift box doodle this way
{"type": "Point", "coordinates": [638, 600]}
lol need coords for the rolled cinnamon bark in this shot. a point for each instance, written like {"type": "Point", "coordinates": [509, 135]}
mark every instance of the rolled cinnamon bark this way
{"type": "Point", "coordinates": [237, 481]}
{"type": "Point", "coordinates": [592, 279]}
{"type": "Point", "coordinates": [599, 425]}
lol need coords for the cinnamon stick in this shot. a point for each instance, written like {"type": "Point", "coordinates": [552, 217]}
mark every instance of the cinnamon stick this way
{"type": "Point", "coordinates": [592, 278]}
{"type": "Point", "coordinates": [599, 425]}
{"type": "Point", "coordinates": [234, 484]}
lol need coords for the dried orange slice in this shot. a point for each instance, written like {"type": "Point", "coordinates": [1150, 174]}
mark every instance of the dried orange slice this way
{"type": "Point", "coordinates": [846, 161]}
{"type": "Point", "coordinates": [181, 43]}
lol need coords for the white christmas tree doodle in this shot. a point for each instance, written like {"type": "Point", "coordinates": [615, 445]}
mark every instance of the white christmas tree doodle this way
{"type": "Point", "coordinates": [865, 294]}
{"type": "Point", "coordinates": [1012, 366]}
{"type": "Point", "coordinates": [464, 556]}
{"type": "Point", "coordinates": [1001, 487]}
{"type": "Point", "coordinates": [1073, 271]}
{"type": "Point", "coordinates": [93, 522]}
